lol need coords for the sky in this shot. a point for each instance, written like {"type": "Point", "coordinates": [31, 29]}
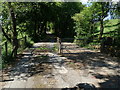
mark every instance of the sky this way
{"type": "Point", "coordinates": [85, 1]}
{"type": "Point", "coordinates": [109, 16]}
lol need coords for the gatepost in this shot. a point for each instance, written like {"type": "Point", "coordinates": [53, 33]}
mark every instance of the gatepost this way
{"type": "Point", "coordinates": [59, 45]}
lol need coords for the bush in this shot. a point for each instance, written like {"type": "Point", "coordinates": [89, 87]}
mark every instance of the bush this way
{"type": "Point", "coordinates": [7, 59]}
{"type": "Point", "coordinates": [28, 44]}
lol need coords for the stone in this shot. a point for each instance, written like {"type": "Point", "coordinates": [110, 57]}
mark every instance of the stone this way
{"type": "Point", "coordinates": [26, 66]}
{"type": "Point", "coordinates": [22, 75]}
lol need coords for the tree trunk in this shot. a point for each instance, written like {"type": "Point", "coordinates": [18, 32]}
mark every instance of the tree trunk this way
{"type": "Point", "coordinates": [35, 29]}
{"type": "Point", "coordinates": [42, 27]}
{"type": "Point", "coordinates": [15, 40]}
{"type": "Point", "coordinates": [101, 29]}
{"type": "Point", "coordinates": [101, 22]}
{"type": "Point", "coordinates": [45, 29]}
{"type": "Point", "coordinates": [38, 28]}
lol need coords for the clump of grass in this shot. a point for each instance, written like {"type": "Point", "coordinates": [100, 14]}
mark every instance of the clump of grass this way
{"type": "Point", "coordinates": [42, 48]}
{"type": "Point", "coordinates": [54, 48]}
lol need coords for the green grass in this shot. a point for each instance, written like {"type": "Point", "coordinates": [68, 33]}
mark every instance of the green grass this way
{"type": "Point", "coordinates": [54, 48]}
{"type": "Point", "coordinates": [42, 48]}
{"type": "Point", "coordinates": [0, 35]}
{"type": "Point", "coordinates": [22, 45]}
{"type": "Point", "coordinates": [110, 27]}
{"type": "Point", "coordinates": [0, 62]}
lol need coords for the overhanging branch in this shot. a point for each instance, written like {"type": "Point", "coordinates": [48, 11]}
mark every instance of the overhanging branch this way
{"type": "Point", "coordinates": [5, 34]}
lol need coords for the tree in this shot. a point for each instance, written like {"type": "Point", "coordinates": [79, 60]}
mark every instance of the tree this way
{"type": "Point", "coordinates": [12, 39]}
{"type": "Point", "coordinates": [15, 40]}
{"type": "Point", "coordinates": [84, 24]}
{"type": "Point", "coordinates": [64, 23]}
{"type": "Point", "coordinates": [101, 10]}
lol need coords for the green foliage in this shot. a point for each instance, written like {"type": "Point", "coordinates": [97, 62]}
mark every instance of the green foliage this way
{"type": "Point", "coordinates": [7, 59]}
{"type": "Point", "coordinates": [45, 48]}
{"type": "Point", "coordinates": [42, 48]}
{"type": "Point", "coordinates": [86, 22]}
{"type": "Point", "coordinates": [110, 28]}
{"type": "Point", "coordinates": [88, 28]}
{"type": "Point", "coordinates": [29, 44]}
{"type": "Point", "coordinates": [83, 25]}
{"type": "Point", "coordinates": [55, 48]}
{"type": "Point", "coordinates": [64, 24]}
{"type": "Point", "coordinates": [34, 19]}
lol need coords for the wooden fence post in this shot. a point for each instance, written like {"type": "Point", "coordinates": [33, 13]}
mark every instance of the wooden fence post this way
{"type": "Point", "coordinates": [59, 45]}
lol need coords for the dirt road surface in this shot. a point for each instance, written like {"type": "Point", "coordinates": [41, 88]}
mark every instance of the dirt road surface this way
{"type": "Point", "coordinates": [76, 65]}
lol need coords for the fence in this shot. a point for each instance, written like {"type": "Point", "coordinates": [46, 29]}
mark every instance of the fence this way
{"type": "Point", "coordinates": [96, 44]}
{"type": "Point", "coordinates": [105, 45]}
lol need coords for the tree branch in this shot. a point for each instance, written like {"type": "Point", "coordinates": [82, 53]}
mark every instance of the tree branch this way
{"type": "Point", "coordinates": [5, 34]}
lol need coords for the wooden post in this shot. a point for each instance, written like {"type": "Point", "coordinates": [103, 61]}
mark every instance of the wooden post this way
{"type": "Point", "coordinates": [102, 45]}
{"type": "Point", "coordinates": [6, 48]}
{"type": "Point", "coordinates": [59, 45]}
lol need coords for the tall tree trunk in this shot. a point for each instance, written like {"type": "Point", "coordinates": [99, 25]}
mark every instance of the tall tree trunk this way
{"type": "Point", "coordinates": [38, 28]}
{"type": "Point", "coordinates": [45, 29]}
{"type": "Point", "coordinates": [15, 40]}
{"type": "Point", "coordinates": [101, 29]}
{"type": "Point", "coordinates": [42, 27]}
{"type": "Point", "coordinates": [101, 22]}
{"type": "Point", "coordinates": [35, 27]}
